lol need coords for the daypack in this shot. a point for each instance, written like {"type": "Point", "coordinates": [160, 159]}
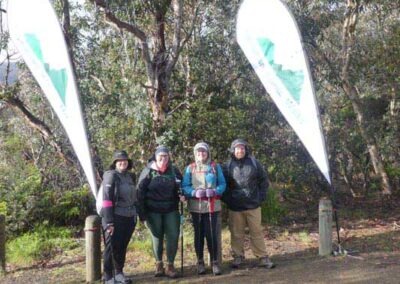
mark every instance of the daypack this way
{"type": "Point", "coordinates": [100, 195]}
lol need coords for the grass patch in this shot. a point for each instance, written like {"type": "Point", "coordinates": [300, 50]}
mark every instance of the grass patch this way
{"type": "Point", "coordinates": [43, 243]}
{"type": "Point", "coordinates": [304, 237]}
{"type": "Point", "coordinates": [141, 241]}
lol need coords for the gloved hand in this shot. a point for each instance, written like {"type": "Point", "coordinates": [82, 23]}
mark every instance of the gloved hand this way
{"type": "Point", "coordinates": [210, 192]}
{"type": "Point", "coordinates": [199, 193]}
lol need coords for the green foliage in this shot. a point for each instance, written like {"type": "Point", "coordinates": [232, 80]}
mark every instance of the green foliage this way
{"type": "Point", "coordinates": [213, 96]}
{"type": "Point", "coordinates": [40, 244]}
{"type": "Point", "coordinates": [3, 208]}
{"type": "Point", "coordinates": [27, 203]}
{"type": "Point", "coordinates": [271, 210]}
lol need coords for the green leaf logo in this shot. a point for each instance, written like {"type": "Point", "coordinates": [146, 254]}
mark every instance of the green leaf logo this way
{"type": "Point", "coordinates": [292, 80]}
{"type": "Point", "coordinates": [58, 77]}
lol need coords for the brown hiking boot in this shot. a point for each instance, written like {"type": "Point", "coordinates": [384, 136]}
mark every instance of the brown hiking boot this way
{"type": "Point", "coordinates": [201, 269]}
{"type": "Point", "coordinates": [237, 261]}
{"type": "Point", "coordinates": [159, 269]}
{"type": "Point", "coordinates": [216, 269]}
{"type": "Point", "coordinates": [170, 271]}
{"type": "Point", "coordinates": [266, 263]}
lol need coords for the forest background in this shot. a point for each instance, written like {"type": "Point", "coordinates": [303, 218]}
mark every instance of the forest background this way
{"type": "Point", "coordinates": [171, 72]}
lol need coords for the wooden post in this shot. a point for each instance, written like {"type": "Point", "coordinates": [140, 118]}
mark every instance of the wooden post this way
{"type": "Point", "coordinates": [2, 243]}
{"type": "Point", "coordinates": [325, 227]}
{"type": "Point", "coordinates": [93, 249]}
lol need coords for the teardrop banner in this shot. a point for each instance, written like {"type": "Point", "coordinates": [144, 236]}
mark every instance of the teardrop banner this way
{"type": "Point", "coordinates": [36, 33]}
{"type": "Point", "coordinates": [269, 37]}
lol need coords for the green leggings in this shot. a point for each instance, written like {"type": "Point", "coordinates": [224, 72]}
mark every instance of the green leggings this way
{"type": "Point", "coordinates": [161, 224]}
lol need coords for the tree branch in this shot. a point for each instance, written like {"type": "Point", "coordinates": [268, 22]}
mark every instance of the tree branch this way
{"type": "Point", "coordinates": [112, 19]}
{"type": "Point", "coordinates": [16, 104]}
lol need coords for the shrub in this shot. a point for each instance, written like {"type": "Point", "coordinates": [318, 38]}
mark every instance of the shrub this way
{"type": "Point", "coordinates": [43, 243]}
{"type": "Point", "coordinates": [271, 210]}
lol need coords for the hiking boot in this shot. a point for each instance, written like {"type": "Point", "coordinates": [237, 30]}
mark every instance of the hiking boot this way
{"type": "Point", "coordinates": [159, 269]}
{"type": "Point", "coordinates": [216, 268]}
{"type": "Point", "coordinates": [121, 279]}
{"type": "Point", "coordinates": [109, 281]}
{"type": "Point", "coordinates": [170, 271]}
{"type": "Point", "coordinates": [266, 262]}
{"type": "Point", "coordinates": [108, 278]}
{"type": "Point", "coordinates": [201, 269]}
{"type": "Point", "coordinates": [237, 261]}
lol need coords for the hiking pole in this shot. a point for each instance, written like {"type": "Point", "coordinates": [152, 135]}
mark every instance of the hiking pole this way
{"type": "Point", "coordinates": [209, 182]}
{"type": "Point", "coordinates": [112, 249]}
{"type": "Point", "coordinates": [179, 184]}
{"type": "Point", "coordinates": [211, 226]}
{"type": "Point", "coordinates": [182, 220]}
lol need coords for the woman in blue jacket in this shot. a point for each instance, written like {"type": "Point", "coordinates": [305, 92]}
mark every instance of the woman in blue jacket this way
{"type": "Point", "coordinates": [204, 183]}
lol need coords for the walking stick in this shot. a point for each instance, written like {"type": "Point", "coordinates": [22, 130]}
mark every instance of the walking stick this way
{"type": "Point", "coordinates": [178, 182]}
{"type": "Point", "coordinates": [182, 220]}
{"type": "Point", "coordinates": [209, 183]}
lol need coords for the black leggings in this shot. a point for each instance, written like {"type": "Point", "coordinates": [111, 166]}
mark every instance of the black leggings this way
{"type": "Point", "coordinates": [203, 228]}
{"type": "Point", "coordinates": [117, 244]}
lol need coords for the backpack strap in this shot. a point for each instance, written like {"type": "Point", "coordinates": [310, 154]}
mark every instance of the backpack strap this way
{"type": "Point", "coordinates": [229, 167]}
{"type": "Point", "coordinates": [253, 161]}
{"type": "Point", "coordinates": [213, 167]}
{"type": "Point", "coordinates": [193, 167]}
{"type": "Point", "coordinates": [116, 187]}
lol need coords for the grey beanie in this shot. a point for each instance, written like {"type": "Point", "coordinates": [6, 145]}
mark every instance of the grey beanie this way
{"type": "Point", "coordinates": [238, 142]}
{"type": "Point", "coordinates": [161, 149]}
{"type": "Point", "coordinates": [202, 145]}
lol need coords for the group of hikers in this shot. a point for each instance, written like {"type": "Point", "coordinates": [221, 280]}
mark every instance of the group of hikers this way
{"type": "Point", "coordinates": [241, 183]}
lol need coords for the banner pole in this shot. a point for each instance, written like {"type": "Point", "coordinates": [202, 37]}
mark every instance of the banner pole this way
{"type": "Point", "coordinates": [333, 191]}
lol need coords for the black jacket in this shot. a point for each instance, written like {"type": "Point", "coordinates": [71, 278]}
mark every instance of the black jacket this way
{"type": "Point", "coordinates": [247, 184]}
{"type": "Point", "coordinates": [158, 192]}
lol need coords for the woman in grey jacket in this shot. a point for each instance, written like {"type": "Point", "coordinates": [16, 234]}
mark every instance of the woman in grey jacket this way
{"type": "Point", "coordinates": [118, 215]}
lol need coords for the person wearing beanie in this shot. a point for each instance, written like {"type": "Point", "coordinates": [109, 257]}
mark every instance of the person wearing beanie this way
{"type": "Point", "coordinates": [158, 200]}
{"type": "Point", "coordinates": [247, 185]}
{"type": "Point", "coordinates": [118, 215]}
{"type": "Point", "coordinates": [203, 184]}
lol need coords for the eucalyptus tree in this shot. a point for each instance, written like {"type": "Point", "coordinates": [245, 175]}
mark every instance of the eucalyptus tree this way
{"type": "Point", "coordinates": [348, 42]}
{"type": "Point", "coordinates": [161, 30]}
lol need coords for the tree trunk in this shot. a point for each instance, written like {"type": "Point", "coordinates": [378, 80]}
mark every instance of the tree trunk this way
{"type": "Point", "coordinates": [350, 90]}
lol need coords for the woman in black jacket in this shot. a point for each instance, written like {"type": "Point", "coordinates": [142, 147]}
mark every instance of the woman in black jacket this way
{"type": "Point", "coordinates": [158, 199]}
{"type": "Point", "coordinates": [118, 215]}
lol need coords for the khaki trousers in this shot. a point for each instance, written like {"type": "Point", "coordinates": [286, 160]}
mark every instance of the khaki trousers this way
{"type": "Point", "coordinates": [238, 221]}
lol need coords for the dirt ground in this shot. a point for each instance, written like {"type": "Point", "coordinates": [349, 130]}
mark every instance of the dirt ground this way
{"type": "Point", "coordinates": [373, 245]}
